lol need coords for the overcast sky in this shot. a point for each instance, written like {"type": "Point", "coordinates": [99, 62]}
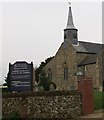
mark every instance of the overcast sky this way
{"type": "Point", "coordinates": [33, 31]}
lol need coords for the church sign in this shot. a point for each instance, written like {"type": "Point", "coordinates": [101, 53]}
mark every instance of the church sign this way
{"type": "Point", "coordinates": [21, 76]}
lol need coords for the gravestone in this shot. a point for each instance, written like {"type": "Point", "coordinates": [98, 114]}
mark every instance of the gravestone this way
{"type": "Point", "coordinates": [20, 76]}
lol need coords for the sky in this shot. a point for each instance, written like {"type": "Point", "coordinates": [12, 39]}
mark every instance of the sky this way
{"type": "Point", "coordinates": [33, 31]}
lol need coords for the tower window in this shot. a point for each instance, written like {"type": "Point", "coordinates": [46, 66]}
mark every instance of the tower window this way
{"type": "Point", "coordinates": [75, 36]}
{"type": "Point", "coordinates": [65, 73]}
{"type": "Point", "coordinates": [65, 36]}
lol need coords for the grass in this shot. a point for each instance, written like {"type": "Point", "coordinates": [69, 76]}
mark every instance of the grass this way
{"type": "Point", "coordinates": [98, 100]}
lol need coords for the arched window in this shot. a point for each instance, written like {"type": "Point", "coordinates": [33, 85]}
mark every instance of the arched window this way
{"type": "Point", "coordinates": [65, 71]}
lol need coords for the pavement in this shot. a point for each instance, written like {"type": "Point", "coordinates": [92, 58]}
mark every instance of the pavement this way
{"type": "Point", "coordinates": [97, 114]}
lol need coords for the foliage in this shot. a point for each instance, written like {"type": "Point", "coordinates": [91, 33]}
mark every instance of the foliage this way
{"type": "Point", "coordinates": [6, 80]}
{"type": "Point", "coordinates": [98, 100]}
{"type": "Point", "coordinates": [5, 86]}
{"type": "Point", "coordinates": [39, 69]}
{"type": "Point", "coordinates": [5, 90]}
{"type": "Point", "coordinates": [14, 115]}
{"type": "Point", "coordinates": [45, 82]}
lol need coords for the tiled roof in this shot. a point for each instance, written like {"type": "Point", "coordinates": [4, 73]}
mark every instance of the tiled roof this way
{"type": "Point", "coordinates": [92, 59]}
{"type": "Point", "coordinates": [89, 60]}
{"type": "Point", "coordinates": [88, 47]}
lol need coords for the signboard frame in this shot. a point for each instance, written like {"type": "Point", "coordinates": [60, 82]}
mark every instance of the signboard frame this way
{"type": "Point", "coordinates": [21, 76]}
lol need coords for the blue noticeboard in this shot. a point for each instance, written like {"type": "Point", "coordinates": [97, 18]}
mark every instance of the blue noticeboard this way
{"type": "Point", "coordinates": [21, 76]}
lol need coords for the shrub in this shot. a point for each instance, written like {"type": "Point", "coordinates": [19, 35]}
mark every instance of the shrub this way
{"type": "Point", "coordinates": [14, 115]}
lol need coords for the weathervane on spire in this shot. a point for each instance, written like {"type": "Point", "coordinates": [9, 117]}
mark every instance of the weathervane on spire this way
{"type": "Point", "coordinates": [69, 4]}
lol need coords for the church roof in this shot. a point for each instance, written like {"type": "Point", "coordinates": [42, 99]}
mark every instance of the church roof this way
{"type": "Point", "coordinates": [89, 60]}
{"type": "Point", "coordinates": [92, 59]}
{"type": "Point", "coordinates": [88, 47]}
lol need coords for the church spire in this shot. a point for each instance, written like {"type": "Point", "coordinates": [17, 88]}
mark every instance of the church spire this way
{"type": "Point", "coordinates": [70, 24]}
{"type": "Point", "coordinates": [70, 32]}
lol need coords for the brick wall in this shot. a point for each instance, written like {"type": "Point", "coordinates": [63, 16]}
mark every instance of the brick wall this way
{"type": "Point", "coordinates": [43, 104]}
{"type": "Point", "coordinates": [86, 87]}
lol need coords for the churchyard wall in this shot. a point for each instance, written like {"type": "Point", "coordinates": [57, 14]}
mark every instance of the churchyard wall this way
{"type": "Point", "coordinates": [56, 104]}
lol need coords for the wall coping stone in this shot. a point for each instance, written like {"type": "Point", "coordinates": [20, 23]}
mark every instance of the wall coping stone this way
{"type": "Point", "coordinates": [42, 93]}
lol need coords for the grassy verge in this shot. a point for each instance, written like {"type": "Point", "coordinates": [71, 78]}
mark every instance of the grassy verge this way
{"type": "Point", "coordinates": [98, 100]}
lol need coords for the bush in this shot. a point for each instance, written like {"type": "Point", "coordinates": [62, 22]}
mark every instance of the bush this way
{"type": "Point", "coordinates": [5, 90]}
{"type": "Point", "coordinates": [14, 115]}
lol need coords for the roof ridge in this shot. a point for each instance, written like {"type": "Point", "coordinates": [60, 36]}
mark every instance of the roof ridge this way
{"type": "Point", "coordinates": [91, 42]}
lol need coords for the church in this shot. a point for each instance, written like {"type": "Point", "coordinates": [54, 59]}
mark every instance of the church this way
{"type": "Point", "coordinates": [75, 60]}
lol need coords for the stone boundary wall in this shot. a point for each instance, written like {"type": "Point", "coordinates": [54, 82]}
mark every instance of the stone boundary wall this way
{"type": "Point", "coordinates": [57, 104]}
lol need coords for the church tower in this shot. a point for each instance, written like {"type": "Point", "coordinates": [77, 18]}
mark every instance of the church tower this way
{"type": "Point", "coordinates": [70, 32]}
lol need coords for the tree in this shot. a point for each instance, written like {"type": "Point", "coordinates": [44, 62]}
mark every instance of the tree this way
{"type": "Point", "coordinates": [45, 82]}
{"type": "Point", "coordinates": [39, 69]}
{"type": "Point", "coordinates": [7, 79]}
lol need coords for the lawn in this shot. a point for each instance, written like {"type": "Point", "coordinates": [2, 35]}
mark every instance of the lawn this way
{"type": "Point", "coordinates": [98, 100]}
